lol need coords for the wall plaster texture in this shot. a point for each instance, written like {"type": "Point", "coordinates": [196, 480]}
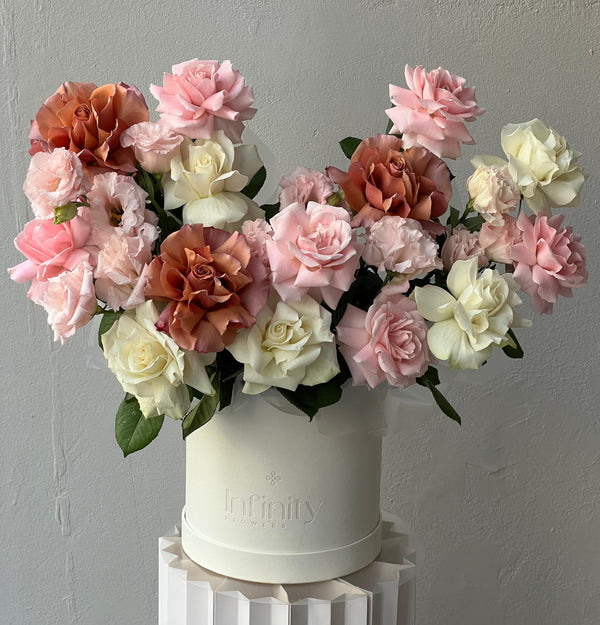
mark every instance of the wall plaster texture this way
{"type": "Point", "coordinates": [506, 509]}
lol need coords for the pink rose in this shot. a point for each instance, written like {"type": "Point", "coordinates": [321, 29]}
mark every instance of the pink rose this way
{"type": "Point", "coordinates": [117, 201]}
{"type": "Point", "coordinates": [53, 179]}
{"type": "Point", "coordinates": [257, 233]}
{"type": "Point", "coordinates": [388, 342]}
{"type": "Point", "coordinates": [549, 261]}
{"type": "Point", "coordinates": [401, 245]}
{"type": "Point", "coordinates": [68, 298]}
{"type": "Point", "coordinates": [432, 112]}
{"type": "Point", "coordinates": [497, 241]}
{"type": "Point", "coordinates": [305, 185]}
{"type": "Point", "coordinates": [200, 97]}
{"type": "Point", "coordinates": [312, 248]}
{"type": "Point", "coordinates": [154, 145]}
{"type": "Point", "coordinates": [460, 245]}
{"type": "Point", "coordinates": [51, 249]}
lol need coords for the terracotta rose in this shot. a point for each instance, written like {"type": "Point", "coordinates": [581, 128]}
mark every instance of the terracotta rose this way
{"type": "Point", "coordinates": [384, 180]}
{"type": "Point", "coordinates": [89, 121]}
{"type": "Point", "coordinates": [212, 284]}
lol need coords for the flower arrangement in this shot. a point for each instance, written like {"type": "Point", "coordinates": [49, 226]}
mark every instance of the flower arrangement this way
{"type": "Point", "coordinates": [365, 275]}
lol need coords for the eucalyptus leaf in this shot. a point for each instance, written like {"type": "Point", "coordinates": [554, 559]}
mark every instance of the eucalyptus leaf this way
{"type": "Point", "coordinates": [132, 430]}
{"type": "Point", "coordinates": [256, 184]}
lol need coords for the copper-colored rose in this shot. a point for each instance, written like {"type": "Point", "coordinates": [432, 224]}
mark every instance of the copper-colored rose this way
{"type": "Point", "coordinates": [89, 120]}
{"type": "Point", "coordinates": [212, 284]}
{"type": "Point", "coordinates": [384, 180]}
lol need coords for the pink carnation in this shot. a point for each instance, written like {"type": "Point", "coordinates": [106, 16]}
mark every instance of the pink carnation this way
{"type": "Point", "coordinates": [312, 248]}
{"type": "Point", "coordinates": [432, 112]}
{"type": "Point", "coordinates": [388, 342]}
{"type": "Point", "coordinates": [257, 233]}
{"type": "Point", "coordinates": [68, 298]}
{"type": "Point", "coordinates": [53, 179]}
{"type": "Point", "coordinates": [461, 245]}
{"type": "Point", "coordinates": [305, 185]}
{"type": "Point", "coordinates": [401, 245]}
{"type": "Point", "coordinates": [549, 261]}
{"type": "Point", "coordinates": [154, 145]}
{"type": "Point", "coordinates": [200, 97]}
{"type": "Point", "coordinates": [51, 248]}
{"type": "Point", "coordinates": [497, 241]}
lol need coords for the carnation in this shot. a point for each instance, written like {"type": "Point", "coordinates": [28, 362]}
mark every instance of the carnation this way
{"type": "Point", "coordinates": [461, 245]}
{"type": "Point", "coordinates": [154, 145]}
{"type": "Point", "coordinates": [493, 192]}
{"type": "Point", "coordinates": [305, 185]}
{"type": "Point", "coordinates": [498, 241]}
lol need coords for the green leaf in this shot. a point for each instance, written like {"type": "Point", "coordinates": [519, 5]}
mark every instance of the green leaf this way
{"type": "Point", "coordinates": [106, 323]}
{"type": "Point", "coordinates": [132, 430]}
{"type": "Point", "coordinates": [202, 413]}
{"type": "Point", "coordinates": [515, 350]}
{"type": "Point", "coordinates": [229, 370]}
{"type": "Point", "coordinates": [389, 126]}
{"type": "Point", "coordinates": [256, 184]}
{"type": "Point", "coordinates": [431, 379]}
{"type": "Point", "coordinates": [361, 293]}
{"type": "Point", "coordinates": [454, 218]}
{"type": "Point", "coordinates": [473, 224]}
{"type": "Point", "coordinates": [270, 210]}
{"type": "Point", "coordinates": [349, 145]}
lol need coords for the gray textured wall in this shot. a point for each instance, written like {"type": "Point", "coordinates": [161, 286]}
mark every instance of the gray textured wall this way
{"type": "Point", "coordinates": [506, 509]}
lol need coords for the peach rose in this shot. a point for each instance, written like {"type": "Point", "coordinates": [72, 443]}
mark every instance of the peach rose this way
{"type": "Point", "coordinates": [89, 121]}
{"type": "Point", "coordinates": [212, 284]}
{"type": "Point", "coordinates": [384, 180]}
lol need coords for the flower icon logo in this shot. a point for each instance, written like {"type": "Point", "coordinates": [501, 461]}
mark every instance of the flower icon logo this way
{"type": "Point", "coordinates": [273, 478]}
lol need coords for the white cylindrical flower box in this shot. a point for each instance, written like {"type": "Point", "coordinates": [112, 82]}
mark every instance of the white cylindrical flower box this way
{"type": "Point", "coordinates": [272, 497]}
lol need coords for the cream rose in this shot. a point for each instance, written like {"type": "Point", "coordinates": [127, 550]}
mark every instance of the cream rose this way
{"type": "Point", "coordinates": [206, 179]}
{"type": "Point", "coordinates": [473, 317]}
{"type": "Point", "coordinates": [287, 347]}
{"type": "Point", "coordinates": [542, 164]}
{"type": "Point", "coordinates": [493, 192]}
{"type": "Point", "coordinates": [149, 364]}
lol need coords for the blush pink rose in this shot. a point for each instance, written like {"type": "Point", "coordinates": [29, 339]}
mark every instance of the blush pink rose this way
{"type": "Point", "coordinates": [154, 145]}
{"type": "Point", "coordinates": [68, 298]}
{"type": "Point", "coordinates": [305, 185]}
{"type": "Point", "coordinates": [53, 179]}
{"type": "Point", "coordinates": [497, 241]}
{"type": "Point", "coordinates": [51, 248]}
{"type": "Point", "coordinates": [402, 246]}
{"type": "Point", "coordinates": [200, 97]}
{"type": "Point", "coordinates": [549, 261]}
{"type": "Point", "coordinates": [257, 233]}
{"type": "Point", "coordinates": [433, 110]}
{"type": "Point", "coordinates": [388, 342]}
{"type": "Point", "coordinates": [312, 249]}
{"type": "Point", "coordinates": [460, 245]}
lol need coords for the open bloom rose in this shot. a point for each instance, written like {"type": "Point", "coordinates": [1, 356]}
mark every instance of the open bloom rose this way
{"type": "Point", "coordinates": [388, 342]}
{"type": "Point", "coordinates": [542, 164]}
{"type": "Point", "coordinates": [150, 365]}
{"type": "Point", "coordinates": [89, 121]}
{"type": "Point", "coordinates": [549, 260]}
{"type": "Point", "coordinates": [402, 246]}
{"type": "Point", "coordinates": [497, 241]}
{"type": "Point", "coordinates": [68, 298]}
{"type": "Point", "coordinates": [384, 180]}
{"type": "Point", "coordinates": [312, 248]}
{"type": "Point", "coordinates": [200, 97]}
{"type": "Point", "coordinates": [206, 179]}
{"type": "Point", "coordinates": [51, 248]}
{"type": "Point", "coordinates": [460, 245]}
{"type": "Point", "coordinates": [154, 145]}
{"type": "Point", "coordinates": [305, 185]}
{"type": "Point", "coordinates": [472, 317]}
{"type": "Point", "coordinates": [212, 284]}
{"type": "Point", "coordinates": [289, 346]}
{"type": "Point", "coordinates": [433, 110]}
{"type": "Point", "coordinates": [493, 192]}
{"type": "Point", "coordinates": [53, 179]}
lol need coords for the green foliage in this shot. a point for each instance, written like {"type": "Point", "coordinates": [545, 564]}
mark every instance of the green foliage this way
{"type": "Point", "coordinates": [205, 408]}
{"type": "Point", "coordinates": [256, 184]}
{"type": "Point", "coordinates": [361, 293]}
{"type": "Point", "coordinates": [431, 379]}
{"type": "Point", "coordinates": [106, 323]}
{"type": "Point", "coordinates": [229, 369]}
{"type": "Point", "coordinates": [132, 430]}
{"type": "Point", "coordinates": [270, 210]}
{"type": "Point", "coordinates": [349, 145]}
{"type": "Point", "coordinates": [515, 350]}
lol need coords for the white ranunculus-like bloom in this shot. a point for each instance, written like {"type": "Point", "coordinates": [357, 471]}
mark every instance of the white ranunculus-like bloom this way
{"type": "Point", "coordinates": [206, 179]}
{"type": "Point", "coordinates": [287, 347]}
{"type": "Point", "coordinates": [542, 164]}
{"type": "Point", "coordinates": [493, 192]}
{"type": "Point", "coordinates": [473, 317]}
{"type": "Point", "coordinates": [150, 365]}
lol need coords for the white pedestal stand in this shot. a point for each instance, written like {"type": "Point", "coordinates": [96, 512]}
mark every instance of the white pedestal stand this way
{"type": "Point", "coordinates": [382, 593]}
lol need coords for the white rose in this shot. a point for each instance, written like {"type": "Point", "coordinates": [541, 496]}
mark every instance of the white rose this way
{"type": "Point", "coordinates": [288, 347]}
{"type": "Point", "coordinates": [150, 365]}
{"type": "Point", "coordinates": [473, 317]}
{"type": "Point", "coordinates": [206, 179]}
{"type": "Point", "coordinates": [493, 192]}
{"type": "Point", "coordinates": [542, 164]}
